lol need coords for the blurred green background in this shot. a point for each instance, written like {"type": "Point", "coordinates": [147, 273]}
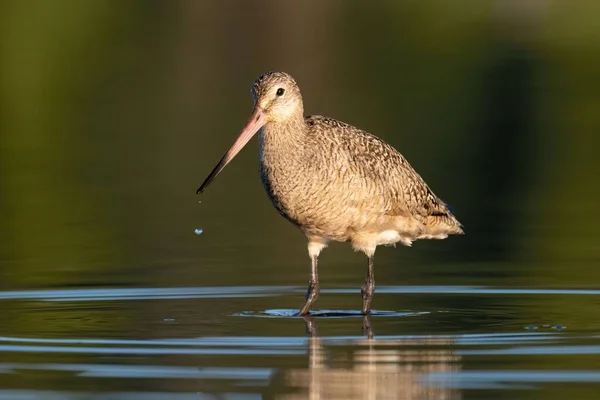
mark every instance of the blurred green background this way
{"type": "Point", "coordinates": [112, 113]}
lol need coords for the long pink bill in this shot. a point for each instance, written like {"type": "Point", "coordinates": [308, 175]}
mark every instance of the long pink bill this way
{"type": "Point", "coordinates": [256, 121]}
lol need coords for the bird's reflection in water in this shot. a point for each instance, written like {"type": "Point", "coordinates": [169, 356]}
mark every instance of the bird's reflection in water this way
{"type": "Point", "coordinates": [370, 368]}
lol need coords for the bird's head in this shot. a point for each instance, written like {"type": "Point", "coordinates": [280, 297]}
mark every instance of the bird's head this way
{"type": "Point", "coordinates": [277, 99]}
{"type": "Point", "coordinates": [278, 96]}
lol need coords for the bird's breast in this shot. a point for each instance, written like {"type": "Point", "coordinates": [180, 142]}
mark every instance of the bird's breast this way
{"type": "Point", "coordinates": [315, 198]}
{"type": "Point", "coordinates": [282, 187]}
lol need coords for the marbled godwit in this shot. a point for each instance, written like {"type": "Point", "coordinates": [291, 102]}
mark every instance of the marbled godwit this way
{"type": "Point", "coordinates": [335, 181]}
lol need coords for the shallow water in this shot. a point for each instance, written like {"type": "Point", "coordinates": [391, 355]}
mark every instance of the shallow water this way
{"type": "Point", "coordinates": [204, 342]}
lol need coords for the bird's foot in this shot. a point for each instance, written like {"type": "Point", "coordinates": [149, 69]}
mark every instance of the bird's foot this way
{"type": "Point", "coordinates": [312, 293]}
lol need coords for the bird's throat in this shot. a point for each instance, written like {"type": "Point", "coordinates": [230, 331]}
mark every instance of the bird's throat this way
{"type": "Point", "coordinates": [283, 138]}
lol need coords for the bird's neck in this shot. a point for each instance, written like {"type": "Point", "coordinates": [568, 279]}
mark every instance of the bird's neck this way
{"type": "Point", "coordinates": [283, 139]}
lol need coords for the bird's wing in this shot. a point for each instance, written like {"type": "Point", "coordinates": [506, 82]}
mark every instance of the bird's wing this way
{"type": "Point", "coordinates": [409, 194]}
{"type": "Point", "coordinates": [388, 177]}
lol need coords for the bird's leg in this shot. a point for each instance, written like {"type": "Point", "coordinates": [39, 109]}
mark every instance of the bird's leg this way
{"type": "Point", "coordinates": [312, 293]}
{"type": "Point", "coordinates": [368, 288]}
{"type": "Point", "coordinates": [315, 245]}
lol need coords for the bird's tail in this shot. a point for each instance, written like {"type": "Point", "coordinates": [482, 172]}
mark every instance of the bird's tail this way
{"type": "Point", "coordinates": [439, 226]}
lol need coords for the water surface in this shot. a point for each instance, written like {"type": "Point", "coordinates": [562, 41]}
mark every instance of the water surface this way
{"type": "Point", "coordinates": [200, 342]}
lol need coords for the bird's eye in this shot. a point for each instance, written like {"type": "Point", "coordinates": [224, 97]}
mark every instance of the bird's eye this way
{"type": "Point", "coordinates": [280, 91]}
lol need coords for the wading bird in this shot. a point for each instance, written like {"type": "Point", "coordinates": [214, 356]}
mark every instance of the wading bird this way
{"type": "Point", "coordinates": [335, 182]}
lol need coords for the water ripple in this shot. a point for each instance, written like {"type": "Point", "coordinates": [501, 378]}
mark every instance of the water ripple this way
{"type": "Point", "coordinates": [144, 371]}
{"type": "Point", "coordinates": [262, 291]}
{"type": "Point", "coordinates": [71, 395]}
{"type": "Point", "coordinates": [506, 379]}
{"type": "Point", "coordinates": [269, 345]}
{"type": "Point", "coordinates": [287, 313]}
{"type": "Point", "coordinates": [147, 350]}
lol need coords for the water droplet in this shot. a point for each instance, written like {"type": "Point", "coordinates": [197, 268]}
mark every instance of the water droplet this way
{"type": "Point", "coordinates": [198, 231]}
{"type": "Point", "coordinates": [531, 327]}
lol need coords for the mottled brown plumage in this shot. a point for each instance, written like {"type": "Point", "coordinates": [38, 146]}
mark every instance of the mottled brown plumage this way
{"type": "Point", "coordinates": [335, 181]}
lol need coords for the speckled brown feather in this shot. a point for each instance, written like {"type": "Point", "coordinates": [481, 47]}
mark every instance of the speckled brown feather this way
{"type": "Point", "coordinates": [337, 182]}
